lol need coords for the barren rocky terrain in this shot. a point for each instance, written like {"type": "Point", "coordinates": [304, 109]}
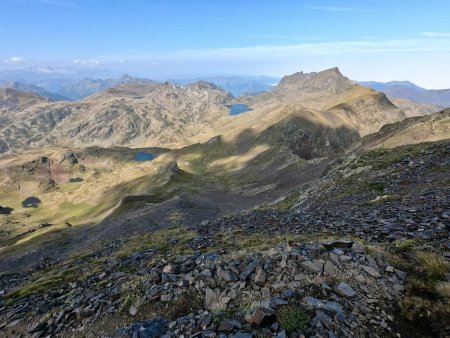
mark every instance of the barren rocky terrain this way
{"type": "Point", "coordinates": [321, 212]}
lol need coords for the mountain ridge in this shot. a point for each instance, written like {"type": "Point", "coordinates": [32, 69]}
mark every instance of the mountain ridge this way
{"type": "Point", "coordinates": [412, 92]}
{"type": "Point", "coordinates": [30, 88]}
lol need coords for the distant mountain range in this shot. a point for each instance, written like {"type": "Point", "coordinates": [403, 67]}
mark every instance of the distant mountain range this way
{"type": "Point", "coordinates": [31, 88]}
{"type": "Point", "coordinates": [380, 86]}
{"type": "Point", "coordinates": [412, 92]}
{"type": "Point", "coordinates": [72, 84]}
{"type": "Point", "coordinates": [86, 87]}
{"type": "Point", "coordinates": [237, 85]}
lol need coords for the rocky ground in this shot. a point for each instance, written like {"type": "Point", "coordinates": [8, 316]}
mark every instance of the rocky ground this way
{"type": "Point", "coordinates": [365, 253]}
{"type": "Point", "coordinates": [335, 287]}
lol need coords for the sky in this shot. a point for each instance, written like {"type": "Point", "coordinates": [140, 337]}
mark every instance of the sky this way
{"type": "Point", "coordinates": [379, 40]}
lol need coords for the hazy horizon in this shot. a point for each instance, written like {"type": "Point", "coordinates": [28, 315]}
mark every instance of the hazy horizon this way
{"type": "Point", "coordinates": [162, 39]}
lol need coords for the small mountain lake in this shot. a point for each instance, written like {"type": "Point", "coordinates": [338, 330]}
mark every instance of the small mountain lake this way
{"type": "Point", "coordinates": [143, 156]}
{"type": "Point", "coordinates": [238, 108]}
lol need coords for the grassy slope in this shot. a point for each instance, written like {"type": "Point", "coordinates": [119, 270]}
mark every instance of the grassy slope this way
{"type": "Point", "coordinates": [430, 128]}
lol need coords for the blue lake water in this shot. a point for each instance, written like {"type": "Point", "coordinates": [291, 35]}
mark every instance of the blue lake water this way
{"type": "Point", "coordinates": [236, 109]}
{"type": "Point", "coordinates": [143, 156]}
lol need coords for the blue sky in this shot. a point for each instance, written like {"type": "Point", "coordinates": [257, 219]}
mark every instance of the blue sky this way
{"type": "Point", "coordinates": [369, 40]}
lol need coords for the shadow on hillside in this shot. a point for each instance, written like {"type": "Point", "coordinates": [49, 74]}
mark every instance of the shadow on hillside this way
{"type": "Point", "coordinates": [301, 136]}
{"type": "Point", "coordinates": [206, 194]}
{"type": "Point", "coordinates": [296, 135]}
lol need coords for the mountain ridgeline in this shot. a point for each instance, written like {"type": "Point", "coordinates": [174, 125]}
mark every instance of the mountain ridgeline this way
{"type": "Point", "coordinates": [139, 112]}
{"type": "Point", "coordinates": [440, 98]}
{"type": "Point", "coordinates": [314, 114]}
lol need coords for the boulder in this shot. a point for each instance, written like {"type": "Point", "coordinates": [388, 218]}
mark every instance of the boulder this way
{"type": "Point", "coordinates": [345, 290]}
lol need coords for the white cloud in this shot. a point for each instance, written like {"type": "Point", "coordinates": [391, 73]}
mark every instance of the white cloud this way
{"type": "Point", "coordinates": [436, 34]}
{"type": "Point", "coordinates": [14, 60]}
{"type": "Point", "coordinates": [92, 62]}
{"type": "Point", "coordinates": [280, 52]}
{"type": "Point", "coordinates": [418, 59]}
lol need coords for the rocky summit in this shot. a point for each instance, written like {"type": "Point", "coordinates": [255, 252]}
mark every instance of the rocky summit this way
{"type": "Point", "coordinates": [147, 210]}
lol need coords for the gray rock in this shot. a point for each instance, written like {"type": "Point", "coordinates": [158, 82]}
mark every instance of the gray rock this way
{"type": "Point", "coordinates": [277, 301]}
{"type": "Point", "coordinates": [312, 266]}
{"type": "Point", "coordinates": [324, 304]}
{"type": "Point", "coordinates": [211, 299]}
{"type": "Point", "coordinates": [241, 335]}
{"type": "Point", "coordinates": [248, 270]}
{"type": "Point", "coordinates": [227, 275]}
{"type": "Point", "coordinates": [227, 325]}
{"type": "Point", "coordinates": [260, 277]}
{"type": "Point", "coordinates": [288, 293]}
{"type": "Point", "coordinates": [15, 322]}
{"type": "Point", "coordinates": [281, 334]}
{"type": "Point", "coordinates": [154, 328]}
{"type": "Point", "coordinates": [132, 311]}
{"type": "Point", "coordinates": [345, 290]}
{"type": "Point", "coordinates": [338, 252]}
{"type": "Point", "coordinates": [345, 258]}
{"type": "Point", "coordinates": [400, 274]}
{"type": "Point", "coordinates": [166, 297]}
{"type": "Point", "coordinates": [371, 271]}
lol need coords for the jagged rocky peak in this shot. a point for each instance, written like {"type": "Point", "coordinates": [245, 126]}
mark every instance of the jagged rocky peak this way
{"type": "Point", "coordinates": [208, 88]}
{"type": "Point", "coordinates": [329, 79]}
{"type": "Point", "coordinates": [205, 85]}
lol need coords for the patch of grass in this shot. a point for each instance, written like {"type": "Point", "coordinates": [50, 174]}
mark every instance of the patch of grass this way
{"type": "Point", "coordinates": [77, 212]}
{"type": "Point", "coordinates": [405, 245]}
{"type": "Point", "coordinates": [130, 299]}
{"type": "Point", "coordinates": [427, 298]}
{"type": "Point", "coordinates": [443, 288]}
{"type": "Point", "coordinates": [44, 282]}
{"type": "Point", "coordinates": [358, 184]}
{"type": "Point", "coordinates": [286, 203]}
{"type": "Point", "coordinates": [381, 159]}
{"type": "Point", "coordinates": [376, 186]}
{"type": "Point", "coordinates": [292, 317]}
{"type": "Point", "coordinates": [173, 240]}
{"type": "Point", "coordinates": [421, 309]}
{"type": "Point", "coordinates": [433, 265]}
{"type": "Point", "coordinates": [133, 289]}
{"type": "Point", "coordinates": [399, 262]}
{"type": "Point", "coordinates": [421, 287]}
{"type": "Point", "coordinates": [382, 199]}
{"type": "Point", "coordinates": [69, 186]}
{"type": "Point", "coordinates": [240, 242]}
